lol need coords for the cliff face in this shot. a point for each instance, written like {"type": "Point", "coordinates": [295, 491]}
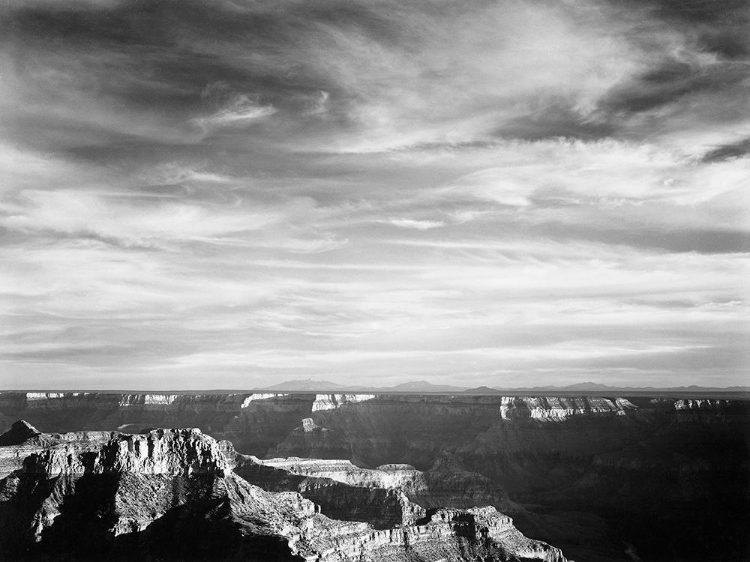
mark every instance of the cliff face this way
{"type": "Point", "coordinates": [446, 483]}
{"type": "Point", "coordinates": [20, 441]}
{"type": "Point", "coordinates": [416, 430]}
{"type": "Point", "coordinates": [161, 451]}
{"type": "Point", "coordinates": [380, 506]}
{"type": "Point", "coordinates": [333, 401]}
{"type": "Point", "coordinates": [255, 421]}
{"type": "Point", "coordinates": [553, 409]}
{"type": "Point", "coordinates": [263, 424]}
{"type": "Point", "coordinates": [172, 494]}
{"type": "Point", "coordinates": [474, 534]}
{"type": "Point", "coordinates": [226, 414]}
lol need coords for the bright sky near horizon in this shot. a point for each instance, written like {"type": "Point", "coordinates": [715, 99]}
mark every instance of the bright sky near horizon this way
{"type": "Point", "coordinates": [232, 193]}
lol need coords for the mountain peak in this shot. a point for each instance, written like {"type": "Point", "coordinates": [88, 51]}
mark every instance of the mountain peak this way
{"type": "Point", "coordinates": [483, 390]}
{"type": "Point", "coordinates": [18, 433]}
{"type": "Point", "coordinates": [588, 385]}
{"type": "Point", "coordinates": [424, 386]}
{"type": "Point", "coordinates": [311, 384]}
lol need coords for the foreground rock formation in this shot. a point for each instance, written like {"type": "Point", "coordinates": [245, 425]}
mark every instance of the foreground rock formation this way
{"type": "Point", "coordinates": [172, 494]}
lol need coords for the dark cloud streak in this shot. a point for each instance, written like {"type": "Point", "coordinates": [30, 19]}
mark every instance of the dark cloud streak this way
{"type": "Point", "coordinates": [702, 241]}
{"type": "Point", "coordinates": [728, 151]}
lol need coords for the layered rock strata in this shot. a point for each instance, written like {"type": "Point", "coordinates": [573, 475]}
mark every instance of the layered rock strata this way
{"type": "Point", "coordinates": [446, 483]}
{"type": "Point", "coordinates": [334, 401]}
{"type": "Point", "coordinates": [172, 494]}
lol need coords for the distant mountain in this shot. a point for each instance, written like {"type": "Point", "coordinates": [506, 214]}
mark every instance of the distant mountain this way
{"type": "Point", "coordinates": [577, 387]}
{"type": "Point", "coordinates": [585, 386]}
{"type": "Point", "coordinates": [588, 386]}
{"type": "Point", "coordinates": [319, 385]}
{"type": "Point", "coordinates": [695, 388]}
{"type": "Point", "coordinates": [307, 385]}
{"type": "Point", "coordinates": [423, 386]}
{"type": "Point", "coordinates": [483, 390]}
{"type": "Point", "coordinates": [606, 389]}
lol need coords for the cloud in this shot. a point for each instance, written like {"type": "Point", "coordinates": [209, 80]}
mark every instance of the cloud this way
{"type": "Point", "coordinates": [319, 105]}
{"type": "Point", "coordinates": [231, 108]}
{"type": "Point", "coordinates": [369, 77]}
{"type": "Point", "coordinates": [733, 150]}
{"type": "Point", "coordinates": [415, 224]}
{"type": "Point", "coordinates": [70, 211]}
{"type": "Point", "coordinates": [547, 190]}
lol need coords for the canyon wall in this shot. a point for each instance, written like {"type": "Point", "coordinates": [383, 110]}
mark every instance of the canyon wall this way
{"type": "Point", "coordinates": [172, 494]}
{"type": "Point", "coordinates": [588, 474]}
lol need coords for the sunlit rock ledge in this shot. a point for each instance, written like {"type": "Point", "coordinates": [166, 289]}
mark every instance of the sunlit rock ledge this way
{"type": "Point", "coordinates": [344, 471]}
{"type": "Point", "coordinates": [333, 401]}
{"type": "Point", "coordinates": [561, 408]}
{"type": "Point", "coordinates": [261, 396]}
{"type": "Point", "coordinates": [159, 451]}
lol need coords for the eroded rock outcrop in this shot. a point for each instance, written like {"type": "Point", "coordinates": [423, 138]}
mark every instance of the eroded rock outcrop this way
{"type": "Point", "coordinates": [445, 484]}
{"type": "Point", "coordinates": [261, 396]}
{"type": "Point", "coordinates": [333, 401]}
{"type": "Point", "coordinates": [159, 451]}
{"type": "Point", "coordinates": [20, 441]}
{"type": "Point", "coordinates": [172, 494]}
{"type": "Point", "coordinates": [555, 409]}
{"type": "Point", "coordinates": [18, 433]}
{"type": "Point", "coordinates": [340, 489]}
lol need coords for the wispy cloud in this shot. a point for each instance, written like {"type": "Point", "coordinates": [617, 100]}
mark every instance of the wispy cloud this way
{"type": "Point", "coordinates": [414, 223]}
{"type": "Point", "coordinates": [231, 108]}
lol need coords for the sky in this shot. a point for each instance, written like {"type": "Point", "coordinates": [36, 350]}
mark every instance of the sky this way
{"type": "Point", "coordinates": [234, 193]}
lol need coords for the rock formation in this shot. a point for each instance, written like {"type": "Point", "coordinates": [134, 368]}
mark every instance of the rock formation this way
{"type": "Point", "coordinates": [172, 494]}
{"type": "Point", "coordinates": [333, 401]}
{"type": "Point", "coordinates": [388, 493]}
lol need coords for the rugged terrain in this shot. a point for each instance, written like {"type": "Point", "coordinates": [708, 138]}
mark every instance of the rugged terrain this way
{"type": "Point", "coordinates": [172, 494]}
{"type": "Point", "coordinates": [602, 478]}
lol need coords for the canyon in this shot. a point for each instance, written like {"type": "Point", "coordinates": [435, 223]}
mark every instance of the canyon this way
{"type": "Point", "coordinates": [172, 494]}
{"type": "Point", "coordinates": [600, 478]}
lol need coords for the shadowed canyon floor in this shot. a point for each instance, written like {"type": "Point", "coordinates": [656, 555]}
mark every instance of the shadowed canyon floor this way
{"type": "Point", "coordinates": [600, 478]}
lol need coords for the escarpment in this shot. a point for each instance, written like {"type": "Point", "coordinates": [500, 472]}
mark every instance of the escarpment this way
{"type": "Point", "coordinates": [416, 430]}
{"type": "Point", "coordinates": [20, 441]}
{"type": "Point", "coordinates": [255, 421]}
{"type": "Point", "coordinates": [334, 401]}
{"type": "Point", "coordinates": [173, 494]}
{"type": "Point", "coordinates": [391, 492]}
{"type": "Point", "coordinates": [354, 500]}
{"type": "Point", "coordinates": [561, 408]}
{"type": "Point", "coordinates": [159, 451]}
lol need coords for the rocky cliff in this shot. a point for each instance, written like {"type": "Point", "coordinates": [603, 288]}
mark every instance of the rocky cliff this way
{"type": "Point", "coordinates": [381, 507]}
{"type": "Point", "coordinates": [224, 413]}
{"type": "Point", "coordinates": [446, 483]}
{"type": "Point", "coordinates": [20, 441]}
{"type": "Point", "coordinates": [172, 452]}
{"type": "Point", "coordinates": [333, 401]}
{"type": "Point", "coordinates": [172, 494]}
